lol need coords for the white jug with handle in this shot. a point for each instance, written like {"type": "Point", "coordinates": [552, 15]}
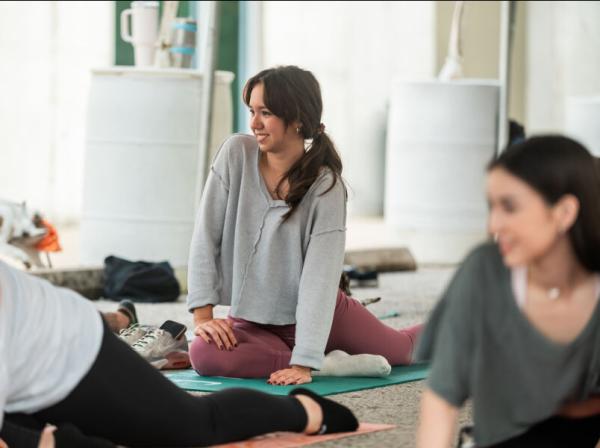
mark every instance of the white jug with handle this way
{"type": "Point", "coordinates": [144, 32]}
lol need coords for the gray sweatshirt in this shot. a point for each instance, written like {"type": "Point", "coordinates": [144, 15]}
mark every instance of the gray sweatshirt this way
{"type": "Point", "coordinates": [269, 271]}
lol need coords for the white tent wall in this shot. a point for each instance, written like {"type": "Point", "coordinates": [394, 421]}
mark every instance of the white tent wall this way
{"type": "Point", "coordinates": [481, 46]}
{"type": "Point", "coordinates": [355, 49]}
{"type": "Point", "coordinates": [358, 49]}
{"type": "Point", "coordinates": [47, 50]}
{"type": "Point", "coordinates": [563, 59]}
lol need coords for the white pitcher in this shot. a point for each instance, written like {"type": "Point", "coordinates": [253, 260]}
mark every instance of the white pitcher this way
{"type": "Point", "coordinates": [144, 32]}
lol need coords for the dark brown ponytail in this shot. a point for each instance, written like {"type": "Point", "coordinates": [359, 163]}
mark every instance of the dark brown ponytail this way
{"type": "Point", "coordinates": [294, 94]}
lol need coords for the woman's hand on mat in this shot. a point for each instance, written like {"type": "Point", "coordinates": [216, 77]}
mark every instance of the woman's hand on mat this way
{"type": "Point", "coordinates": [218, 330]}
{"type": "Point", "coordinates": [292, 375]}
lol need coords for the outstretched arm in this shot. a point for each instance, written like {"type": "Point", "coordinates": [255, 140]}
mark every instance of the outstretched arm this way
{"type": "Point", "coordinates": [316, 305]}
{"type": "Point", "coordinates": [318, 288]}
{"type": "Point", "coordinates": [204, 283]}
{"type": "Point", "coordinates": [204, 276]}
{"type": "Point", "coordinates": [437, 422]}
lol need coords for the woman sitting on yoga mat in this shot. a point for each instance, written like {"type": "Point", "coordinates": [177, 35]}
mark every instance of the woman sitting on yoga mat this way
{"type": "Point", "coordinates": [61, 364]}
{"type": "Point", "coordinates": [518, 329]}
{"type": "Point", "coordinates": [269, 241]}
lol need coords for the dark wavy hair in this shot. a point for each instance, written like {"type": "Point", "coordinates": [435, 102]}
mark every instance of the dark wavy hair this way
{"type": "Point", "coordinates": [294, 94]}
{"type": "Point", "coordinates": [554, 166]}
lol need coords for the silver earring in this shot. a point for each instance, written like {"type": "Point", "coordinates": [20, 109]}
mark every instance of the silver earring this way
{"type": "Point", "coordinates": [298, 130]}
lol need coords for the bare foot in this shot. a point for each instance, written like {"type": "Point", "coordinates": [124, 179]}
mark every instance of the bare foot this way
{"type": "Point", "coordinates": [314, 414]}
{"type": "Point", "coordinates": [47, 438]}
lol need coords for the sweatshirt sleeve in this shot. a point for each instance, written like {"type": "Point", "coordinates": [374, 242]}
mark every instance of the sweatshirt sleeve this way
{"type": "Point", "coordinates": [320, 277]}
{"type": "Point", "coordinates": [204, 276]}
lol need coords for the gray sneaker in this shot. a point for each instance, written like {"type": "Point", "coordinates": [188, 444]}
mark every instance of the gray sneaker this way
{"type": "Point", "coordinates": [158, 343]}
{"type": "Point", "coordinates": [133, 333]}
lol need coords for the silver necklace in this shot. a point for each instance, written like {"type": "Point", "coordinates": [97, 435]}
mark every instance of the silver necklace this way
{"type": "Point", "coordinates": [553, 293]}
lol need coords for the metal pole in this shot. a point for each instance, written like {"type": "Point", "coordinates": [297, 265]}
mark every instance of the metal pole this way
{"type": "Point", "coordinates": [250, 53]}
{"type": "Point", "coordinates": [211, 52]}
{"type": "Point", "coordinates": [503, 75]}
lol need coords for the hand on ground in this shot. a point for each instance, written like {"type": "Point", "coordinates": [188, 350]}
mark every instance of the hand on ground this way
{"type": "Point", "coordinates": [292, 375]}
{"type": "Point", "coordinates": [219, 331]}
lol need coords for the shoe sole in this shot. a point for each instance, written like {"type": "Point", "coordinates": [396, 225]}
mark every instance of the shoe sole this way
{"type": "Point", "coordinates": [173, 360]}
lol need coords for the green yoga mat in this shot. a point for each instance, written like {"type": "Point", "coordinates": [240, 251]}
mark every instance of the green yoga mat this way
{"type": "Point", "coordinates": [326, 385]}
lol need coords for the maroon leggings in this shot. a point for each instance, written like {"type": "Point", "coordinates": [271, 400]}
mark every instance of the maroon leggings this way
{"type": "Point", "coordinates": [264, 349]}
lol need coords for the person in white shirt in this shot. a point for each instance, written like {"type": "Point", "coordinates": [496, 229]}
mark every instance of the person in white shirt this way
{"type": "Point", "coordinates": [61, 364]}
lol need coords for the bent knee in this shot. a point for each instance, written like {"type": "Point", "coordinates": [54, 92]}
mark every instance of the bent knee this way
{"type": "Point", "coordinates": [208, 360]}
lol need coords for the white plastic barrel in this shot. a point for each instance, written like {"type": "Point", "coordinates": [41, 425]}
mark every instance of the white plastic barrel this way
{"type": "Point", "coordinates": [142, 161]}
{"type": "Point", "coordinates": [582, 121]}
{"type": "Point", "coordinates": [441, 135]}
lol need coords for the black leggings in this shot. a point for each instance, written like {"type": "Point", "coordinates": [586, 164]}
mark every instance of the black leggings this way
{"type": "Point", "coordinates": [125, 400]}
{"type": "Point", "coordinates": [558, 432]}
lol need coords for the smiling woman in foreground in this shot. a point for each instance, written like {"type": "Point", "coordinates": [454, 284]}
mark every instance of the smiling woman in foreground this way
{"type": "Point", "coordinates": [518, 329]}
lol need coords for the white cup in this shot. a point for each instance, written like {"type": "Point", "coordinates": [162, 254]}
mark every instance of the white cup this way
{"type": "Point", "coordinates": [144, 33]}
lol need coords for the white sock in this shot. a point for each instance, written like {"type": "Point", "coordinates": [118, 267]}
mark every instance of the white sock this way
{"type": "Point", "coordinates": [339, 363]}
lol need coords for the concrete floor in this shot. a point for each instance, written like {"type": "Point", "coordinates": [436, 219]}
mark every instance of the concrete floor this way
{"type": "Point", "coordinates": [412, 294]}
